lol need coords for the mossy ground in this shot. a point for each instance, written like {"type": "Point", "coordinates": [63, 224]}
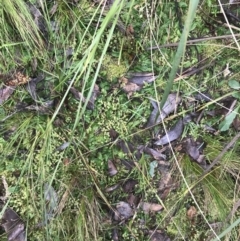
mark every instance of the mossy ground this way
{"type": "Point", "coordinates": [29, 144]}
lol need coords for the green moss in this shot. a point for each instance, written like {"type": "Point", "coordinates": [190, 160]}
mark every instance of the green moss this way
{"type": "Point", "coordinates": [112, 68]}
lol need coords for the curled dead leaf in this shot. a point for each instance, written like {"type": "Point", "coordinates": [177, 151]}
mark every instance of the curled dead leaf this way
{"type": "Point", "coordinates": [123, 211]}
{"type": "Point", "coordinates": [170, 105]}
{"type": "Point", "coordinates": [158, 235]}
{"type": "Point", "coordinates": [129, 185]}
{"type": "Point", "coordinates": [154, 153]}
{"type": "Point", "coordinates": [5, 93]}
{"type": "Point", "coordinates": [112, 188]}
{"type": "Point", "coordinates": [135, 82]}
{"type": "Point", "coordinates": [129, 88]}
{"type": "Point", "coordinates": [79, 96]}
{"type": "Point", "coordinates": [141, 78]}
{"type": "Point", "coordinates": [112, 170]}
{"type": "Point", "coordinates": [172, 134]}
{"type": "Point", "coordinates": [13, 225]}
{"type": "Point", "coordinates": [193, 149]}
{"type": "Point", "coordinates": [175, 132]}
{"type": "Point", "coordinates": [150, 207]}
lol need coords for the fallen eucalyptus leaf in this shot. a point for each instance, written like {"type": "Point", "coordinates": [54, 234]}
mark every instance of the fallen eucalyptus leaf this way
{"type": "Point", "coordinates": [44, 108]}
{"type": "Point", "coordinates": [193, 149]}
{"type": "Point", "coordinates": [150, 207]}
{"type": "Point", "coordinates": [79, 96]}
{"type": "Point", "coordinates": [129, 185]}
{"type": "Point", "coordinates": [170, 105]}
{"type": "Point", "coordinates": [38, 19]}
{"type": "Point", "coordinates": [63, 146]}
{"type": "Point", "coordinates": [154, 153]}
{"type": "Point", "coordinates": [5, 93]}
{"type": "Point", "coordinates": [202, 97]}
{"type": "Point", "coordinates": [112, 188]}
{"type": "Point", "coordinates": [126, 147]}
{"type": "Point", "coordinates": [128, 164]}
{"type": "Point", "coordinates": [133, 200]}
{"type": "Point", "coordinates": [123, 211]}
{"type": "Point", "coordinates": [171, 135]}
{"type": "Point", "coordinates": [51, 198]}
{"type": "Point", "coordinates": [158, 235]}
{"type": "Point", "coordinates": [141, 78]}
{"type": "Point", "coordinates": [174, 132]}
{"type": "Point", "coordinates": [13, 226]}
{"type": "Point", "coordinates": [112, 170]}
{"type": "Point", "coordinates": [32, 86]}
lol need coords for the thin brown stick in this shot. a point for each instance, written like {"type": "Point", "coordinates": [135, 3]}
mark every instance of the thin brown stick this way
{"type": "Point", "coordinates": [190, 42]}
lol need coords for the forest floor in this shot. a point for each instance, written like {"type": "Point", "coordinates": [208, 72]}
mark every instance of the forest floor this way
{"type": "Point", "coordinates": [88, 152]}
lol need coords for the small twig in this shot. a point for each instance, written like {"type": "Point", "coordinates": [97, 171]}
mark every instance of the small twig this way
{"type": "Point", "coordinates": [218, 158]}
{"type": "Point", "coordinates": [192, 72]}
{"type": "Point", "coordinates": [190, 42]}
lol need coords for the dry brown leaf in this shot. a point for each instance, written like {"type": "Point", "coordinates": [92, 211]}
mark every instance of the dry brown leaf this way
{"type": "Point", "coordinates": [5, 93]}
{"type": "Point", "coordinates": [131, 87]}
{"type": "Point", "coordinates": [172, 134]}
{"type": "Point", "coordinates": [133, 200]}
{"type": "Point", "coordinates": [79, 96]}
{"type": "Point", "coordinates": [191, 214]}
{"type": "Point", "coordinates": [15, 79]}
{"type": "Point", "coordinates": [154, 153]}
{"type": "Point", "coordinates": [123, 211]}
{"type": "Point", "coordinates": [112, 188]}
{"type": "Point", "coordinates": [112, 170]}
{"type": "Point", "coordinates": [150, 207]}
{"type": "Point", "coordinates": [158, 235]}
{"type": "Point", "coordinates": [13, 225]}
{"type": "Point", "coordinates": [129, 185]}
{"type": "Point", "coordinates": [170, 106]}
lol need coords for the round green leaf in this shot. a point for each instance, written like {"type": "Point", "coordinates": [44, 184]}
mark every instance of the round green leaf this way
{"type": "Point", "coordinates": [234, 84]}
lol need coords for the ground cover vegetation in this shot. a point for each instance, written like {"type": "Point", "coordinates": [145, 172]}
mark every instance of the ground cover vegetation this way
{"type": "Point", "coordinates": [119, 120]}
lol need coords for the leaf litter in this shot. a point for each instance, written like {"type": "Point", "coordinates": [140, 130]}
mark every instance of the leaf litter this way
{"type": "Point", "coordinates": [135, 82]}
{"type": "Point", "coordinates": [124, 210]}
{"type": "Point", "coordinates": [79, 96]}
{"type": "Point", "coordinates": [157, 115]}
{"type": "Point", "coordinates": [175, 132]}
{"type": "Point", "coordinates": [11, 221]}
